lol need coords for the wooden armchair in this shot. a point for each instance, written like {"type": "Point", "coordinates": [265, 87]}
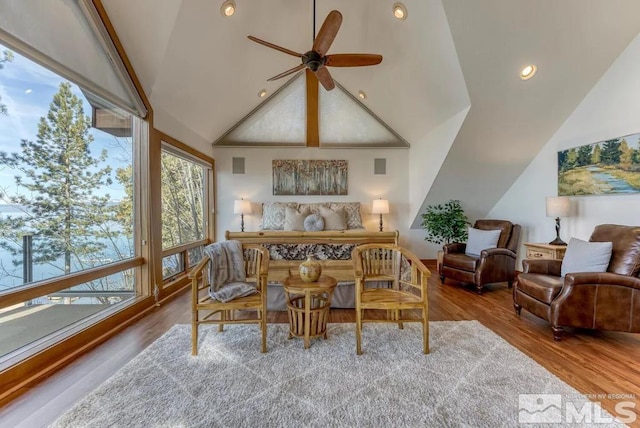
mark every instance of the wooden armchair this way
{"type": "Point", "coordinates": [407, 276]}
{"type": "Point", "coordinates": [256, 263]}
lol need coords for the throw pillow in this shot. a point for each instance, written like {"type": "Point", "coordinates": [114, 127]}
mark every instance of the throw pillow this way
{"type": "Point", "coordinates": [314, 223]}
{"type": "Point", "coordinates": [233, 290]}
{"type": "Point", "coordinates": [481, 240]}
{"type": "Point", "coordinates": [314, 207]}
{"type": "Point", "coordinates": [352, 210]}
{"type": "Point", "coordinates": [583, 256]}
{"type": "Point", "coordinates": [273, 214]}
{"type": "Point", "coordinates": [294, 220]}
{"type": "Point", "coordinates": [333, 220]}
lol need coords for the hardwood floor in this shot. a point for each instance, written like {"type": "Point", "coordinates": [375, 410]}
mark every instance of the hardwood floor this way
{"type": "Point", "coordinates": [592, 362]}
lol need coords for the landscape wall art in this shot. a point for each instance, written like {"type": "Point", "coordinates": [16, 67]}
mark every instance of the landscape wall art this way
{"type": "Point", "coordinates": [310, 177]}
{"type": "Point", "coordinates": [604, 168]}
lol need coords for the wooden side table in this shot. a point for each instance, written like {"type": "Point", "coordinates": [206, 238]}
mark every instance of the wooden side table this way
{"type": "Point", "coordinates": [308, 306]}
{"type": "Point", "coordinates": [544, 251]}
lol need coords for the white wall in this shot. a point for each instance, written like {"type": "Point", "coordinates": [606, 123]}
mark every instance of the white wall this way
{"type": "Point", "coordinates": [424, 163]}
{"type": "Point", "coordinates": [168, 124]}
{"type": "Point", "coordinates": [364, 186]}
{"type": "Point", "coordinates": [611, 109]}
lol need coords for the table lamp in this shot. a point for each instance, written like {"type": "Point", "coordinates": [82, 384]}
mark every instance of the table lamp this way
{"type": "Point", "coordinates": [557, 206]}
{"type": "Point", "coordinates": [380, 206]}
{"type": "Point", "coordinates": [242, 207]}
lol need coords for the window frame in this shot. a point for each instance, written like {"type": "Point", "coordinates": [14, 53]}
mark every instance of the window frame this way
{"type": "Point", "coordinates": [41, 288]}
{"type": "Point", "coordinates": [180, 150]}
{"type": "Point", "coordinates": [49, 354]}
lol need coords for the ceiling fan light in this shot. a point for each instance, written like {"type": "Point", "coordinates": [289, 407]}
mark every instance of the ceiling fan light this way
{"type": "Point", "coordinates": [228, 8]}
{"type": "Point", "coordinates": [399, 11]}
{"type": "Point", "coordinates": [362, 94]}
{"type": "Point", "coordinates": [262, 93]}
{"type": "Point", "coordinates": [528, 72]}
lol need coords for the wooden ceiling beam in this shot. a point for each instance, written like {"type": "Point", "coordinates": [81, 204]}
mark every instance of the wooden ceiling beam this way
{"type": "Point", "coordinates": [313, 136]}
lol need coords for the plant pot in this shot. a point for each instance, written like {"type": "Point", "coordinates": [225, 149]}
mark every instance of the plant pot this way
{"type": "Point", "coordinates": [439, 261]}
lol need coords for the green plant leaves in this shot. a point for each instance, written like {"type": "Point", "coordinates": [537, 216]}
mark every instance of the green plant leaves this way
{"type": "Point", "coordinates": [445, 223]}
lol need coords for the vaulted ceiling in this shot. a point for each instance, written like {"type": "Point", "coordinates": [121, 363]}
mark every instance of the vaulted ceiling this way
{"type": "Point", "coordinates": [202, 75]}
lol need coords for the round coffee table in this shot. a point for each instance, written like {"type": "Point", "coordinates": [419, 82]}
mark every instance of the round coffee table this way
{"type": "Point", "coordinates": [308, 306]}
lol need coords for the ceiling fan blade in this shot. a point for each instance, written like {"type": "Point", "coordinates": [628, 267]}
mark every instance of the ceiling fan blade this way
{"type": "Point", "coordinates": [276, 47]}
{"type": "Point", "coordinates": [327, 32]}
{"type": "Point", "coordinates": [352, 60]}
{"type": "Point", "coordinates": [286, 73]}
{"type": "Point", "coordinates": [325, 78]}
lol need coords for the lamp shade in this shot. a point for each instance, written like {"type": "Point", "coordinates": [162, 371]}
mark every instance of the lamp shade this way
{"type": "Point", "coordinates": [557, 206]}
{"type": "Point", "coordinates": [242, 206]}
{"type": "Point", "coordinates": [380, 206]}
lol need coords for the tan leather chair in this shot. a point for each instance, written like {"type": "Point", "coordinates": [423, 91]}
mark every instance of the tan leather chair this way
{"type": "Point", "coordinates": [493, 264]}
{"type": "Point", "coordinates": [606, 301]}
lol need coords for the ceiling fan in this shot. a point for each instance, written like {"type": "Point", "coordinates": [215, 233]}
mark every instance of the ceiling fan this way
{"type": "Point", "coordinates": [316, 59]}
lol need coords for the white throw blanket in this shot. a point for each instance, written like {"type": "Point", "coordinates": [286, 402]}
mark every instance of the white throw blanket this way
{"type": "Point", "coordinates": [226, 271]}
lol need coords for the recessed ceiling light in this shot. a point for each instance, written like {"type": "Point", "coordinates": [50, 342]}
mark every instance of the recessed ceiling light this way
{"type": "Point", "coordinates": [399, 11]}
{"type": "Point", "coordinates": [362, 94]}
{"type": "Point", "coordinates": [262, 93]}
{"type": "Point", "coordinates": [228, 8]}
{"type": "Point", "coordinates": [528, 72]}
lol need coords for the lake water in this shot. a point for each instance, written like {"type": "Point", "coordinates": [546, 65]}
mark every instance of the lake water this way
{"type": "Point", "coordinates": [11, 275]}
{"type": "Point", "coordinates": [617, 185]}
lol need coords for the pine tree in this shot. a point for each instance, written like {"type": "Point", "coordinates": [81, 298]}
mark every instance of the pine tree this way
{"type": "Point", "coordinates": [584, 155]}
{"type": "Point", "coordinates": [610, 154]}
{"type": "Point", "coordinates": [7, 56]}
{"type": "Point", "coordinates": [562, 160]}
{"type": "Point", "coordinates": [61, 176]}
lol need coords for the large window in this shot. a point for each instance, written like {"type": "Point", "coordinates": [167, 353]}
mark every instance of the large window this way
{"type": "Point", "coordinates": [184, 213]}
{"type": "Point", "coordinates": [66, 202]}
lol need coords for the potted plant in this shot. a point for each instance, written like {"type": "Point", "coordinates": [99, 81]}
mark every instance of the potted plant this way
{"type": "Point", "coordinates": [444, 224]}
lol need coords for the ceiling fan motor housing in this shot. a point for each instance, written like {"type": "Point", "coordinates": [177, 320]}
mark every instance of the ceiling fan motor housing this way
{"type": "Point", "coordinates": [313, 60]}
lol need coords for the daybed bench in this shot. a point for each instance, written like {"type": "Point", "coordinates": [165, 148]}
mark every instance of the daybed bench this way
{"type": "Point", "coordinates": [332, 248]}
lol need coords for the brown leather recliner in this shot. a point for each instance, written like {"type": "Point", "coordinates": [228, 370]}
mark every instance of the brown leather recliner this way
{"type": "Point", "coordinates": [607, 301]}
{"type": "Point", "coordinates": [493, 265]}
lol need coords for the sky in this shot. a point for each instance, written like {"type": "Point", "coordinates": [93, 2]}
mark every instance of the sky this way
{"type": "Point", "coordinates": [27, 90]}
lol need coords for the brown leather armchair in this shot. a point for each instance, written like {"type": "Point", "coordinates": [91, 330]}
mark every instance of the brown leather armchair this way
{"type": "Point", "coordinates": [607, 301]}
{"type": "Point", "coordinates": [493, 265]}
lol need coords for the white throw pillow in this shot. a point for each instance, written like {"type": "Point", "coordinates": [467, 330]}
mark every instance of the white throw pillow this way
{"type": "Point", "coordinates": [352, 211]}
{"type": "Point", "coordinates": [334, 220]}
{"type": "Point", "coordinates": [583, 256]}
{"type": "Point", "coordinates": [294, 220]}
{"type": "Point", "coordinates": [273, 214]}
{"type": "Point", "coordinates": [481, 240]}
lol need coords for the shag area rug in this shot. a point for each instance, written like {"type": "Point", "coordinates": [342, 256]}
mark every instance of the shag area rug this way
{"type": "Point", "coordinates": [471, 378]}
